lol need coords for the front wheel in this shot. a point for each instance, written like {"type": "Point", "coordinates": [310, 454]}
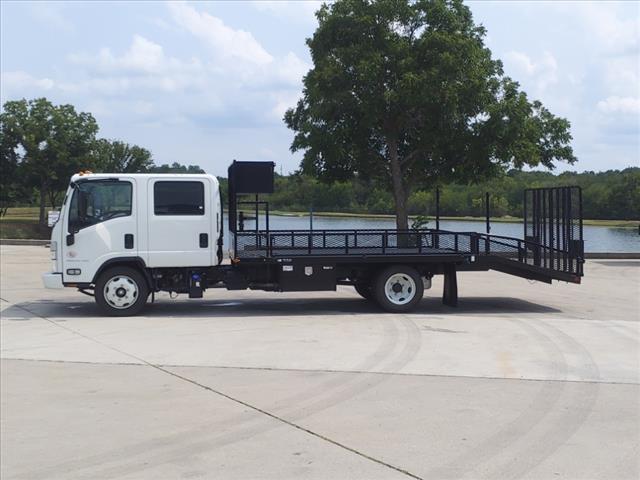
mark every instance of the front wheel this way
{"type": "Point", "coordinates": [398, 288]}
{"type": "Point", "coordinates": [121, 291]}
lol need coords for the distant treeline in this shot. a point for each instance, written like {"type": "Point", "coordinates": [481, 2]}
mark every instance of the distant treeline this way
{"type": "Point", "coordinates": [614, 194]}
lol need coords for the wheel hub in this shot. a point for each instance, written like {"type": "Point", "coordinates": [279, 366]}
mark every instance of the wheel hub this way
{"type": "Point", "coordinates": [400, 288]}
{"type": "Point", "coordinates": [121, 292]}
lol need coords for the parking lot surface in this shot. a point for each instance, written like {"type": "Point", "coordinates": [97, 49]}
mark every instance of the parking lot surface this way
{"type": "Point", "coordinates": [522, 380]}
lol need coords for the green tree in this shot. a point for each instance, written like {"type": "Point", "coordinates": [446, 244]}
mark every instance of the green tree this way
{"type": "Point", "coordinates": [406, 92]}
{"type": "Point", "coordinates": [175, 167]}
{"type": "Point", "coordinates": [9, 180]}
{"type": "Point", "coordinates": [115, 156]}
{"type": "Point", "coordinates": [50, 143]}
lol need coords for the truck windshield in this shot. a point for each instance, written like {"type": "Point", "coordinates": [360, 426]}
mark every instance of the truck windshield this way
{"type": "Point", "coordinates": [97, 201]}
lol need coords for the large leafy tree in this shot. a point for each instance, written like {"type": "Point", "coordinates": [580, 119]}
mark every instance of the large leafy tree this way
{"type": "Point", "coordinates": [48, 143]}
{"type": "Point", "coordinates": [175, 167]}
{"type": "Point", "coordinates": [10, 184]}
{"type": "Point", "coordinates": [406, 93]}
{"type": "Point", "coordinates": [119, 157]}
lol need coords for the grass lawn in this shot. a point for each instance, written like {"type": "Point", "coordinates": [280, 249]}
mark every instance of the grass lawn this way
{"type": "Point", "coordinates": [23, 230]}
{"type": "Point", "coordinates": [22, 223]}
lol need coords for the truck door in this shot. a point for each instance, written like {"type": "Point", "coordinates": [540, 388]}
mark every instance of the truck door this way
{"type": "Point", "coordinates": [99, 224]}
{"type": "Point", "coordinates": [179, 223]}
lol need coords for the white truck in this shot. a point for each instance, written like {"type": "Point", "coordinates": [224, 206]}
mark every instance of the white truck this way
{"type": "Point", "coordinates": [124, 237]}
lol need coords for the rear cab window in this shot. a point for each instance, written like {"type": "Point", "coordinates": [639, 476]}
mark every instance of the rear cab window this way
{"type": "Point", "coordinates": [178, 198]}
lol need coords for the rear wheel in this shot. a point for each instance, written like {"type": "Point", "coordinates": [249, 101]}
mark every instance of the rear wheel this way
{"type": "Point", "coordinates": [121, 291]}
{"type": "Point", "coordinates": [398, 288]}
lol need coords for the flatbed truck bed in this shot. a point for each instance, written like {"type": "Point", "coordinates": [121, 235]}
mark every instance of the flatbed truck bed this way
{"type": "Point", "coordinates": [303, 260]}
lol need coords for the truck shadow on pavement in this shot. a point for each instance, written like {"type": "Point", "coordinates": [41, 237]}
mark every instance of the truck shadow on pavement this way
{"type": "Point", "coordinates": [262, 307]}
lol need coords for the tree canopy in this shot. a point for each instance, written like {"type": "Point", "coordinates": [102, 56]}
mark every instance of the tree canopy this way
{"type": "Point", "coordinates": [42, 145]}
{"type": "Point", "coordinates": [48, 142]}
{"type": "Point", "coordinates": [118, 156]}
{"type": "Point", "coordinates": [406, 93]}
{"type": "Point", "coordinates": [175, 167]}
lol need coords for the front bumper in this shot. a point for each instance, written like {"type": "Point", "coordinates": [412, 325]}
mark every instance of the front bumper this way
{"type": "Point", "coordinates": [52, 280]}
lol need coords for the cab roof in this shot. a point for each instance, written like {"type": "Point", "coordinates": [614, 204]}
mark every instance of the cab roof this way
{"type": "Point", "coordinates": [142, 176]}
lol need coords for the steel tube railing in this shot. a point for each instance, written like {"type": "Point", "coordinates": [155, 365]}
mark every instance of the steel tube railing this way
{"type": "Point", "coordinates": [379, 241]}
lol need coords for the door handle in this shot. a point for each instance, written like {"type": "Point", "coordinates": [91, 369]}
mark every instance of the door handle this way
{"type": "Point", "coordinates": [128, 240]}
{"type": "Point", "coordinates": [204, 240]}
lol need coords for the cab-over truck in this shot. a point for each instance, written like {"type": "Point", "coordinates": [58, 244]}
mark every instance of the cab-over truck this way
{"type": "Point", "coordinates": [123, 237]}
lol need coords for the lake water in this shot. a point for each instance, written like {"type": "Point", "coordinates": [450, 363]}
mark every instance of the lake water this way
{"type": "Point", "coordinates": [597, 239]}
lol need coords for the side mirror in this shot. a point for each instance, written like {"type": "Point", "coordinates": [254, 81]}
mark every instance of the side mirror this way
{"type": "Point", "coordinates": [73, 226]}
{"type": "Point", "coordinates": [71, 239]}
{"type": "Point", "coordinates": [77, 206]}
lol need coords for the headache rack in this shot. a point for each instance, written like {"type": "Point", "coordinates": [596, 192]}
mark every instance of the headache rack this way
{"type": "Point", "coordinates": [552, 247]}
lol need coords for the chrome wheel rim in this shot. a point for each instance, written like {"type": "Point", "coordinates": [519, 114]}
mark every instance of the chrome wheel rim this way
{"type": "Point", "coordinates": [400, 289]}
{"type": "Point", "coordinates": [120, 292]}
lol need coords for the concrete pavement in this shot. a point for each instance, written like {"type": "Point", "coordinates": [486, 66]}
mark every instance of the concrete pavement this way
{"type": "Point", "coordinates": [523, 380]}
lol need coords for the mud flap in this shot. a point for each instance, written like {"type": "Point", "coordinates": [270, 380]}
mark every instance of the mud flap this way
{"type": "Point", "coordinates": [450, 290]}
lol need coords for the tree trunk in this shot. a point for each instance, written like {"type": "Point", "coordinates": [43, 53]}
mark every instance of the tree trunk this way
{"type": "Point", "coordinates": [53, 198]}
{"type": "Point", "coordinates": [43, 202]}
{"type": "Point", "coordinates": [400, 193]}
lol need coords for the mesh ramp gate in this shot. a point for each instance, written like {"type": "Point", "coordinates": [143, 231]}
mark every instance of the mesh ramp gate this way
{"type": "Point", "coordinates": [553, 227]}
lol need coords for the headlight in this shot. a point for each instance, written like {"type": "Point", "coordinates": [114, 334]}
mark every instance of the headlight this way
{"type": "Point", "coordinates": [54, 250]}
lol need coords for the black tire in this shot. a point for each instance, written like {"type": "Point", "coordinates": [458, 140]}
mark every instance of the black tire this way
{"type": "Point", "coordinates": [121, 280]}
{"type": "Point", "coordinates": [401, 296]}
{"type": "Point", "coordinates": [364, 290]}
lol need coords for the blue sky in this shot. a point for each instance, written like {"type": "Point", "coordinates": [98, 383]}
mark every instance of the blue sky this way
{"type": "Point", "coordinates": [205, 83]}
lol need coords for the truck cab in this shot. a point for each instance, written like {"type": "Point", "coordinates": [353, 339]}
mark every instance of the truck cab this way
{"type": "Point", "coordinates": [112, 222]}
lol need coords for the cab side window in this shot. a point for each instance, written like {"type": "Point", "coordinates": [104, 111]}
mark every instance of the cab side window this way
{"type": "Point", "coordinates": [178, 198]}
{"type": "Point", "coordinates": [97, 201]}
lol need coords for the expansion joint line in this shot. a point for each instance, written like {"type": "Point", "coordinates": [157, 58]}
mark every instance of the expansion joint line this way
{"type": "Point", "coordinates": [229, 397]}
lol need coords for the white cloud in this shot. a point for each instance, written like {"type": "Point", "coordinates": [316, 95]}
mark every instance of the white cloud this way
{"type": "Point", "coordinates": [615, 104]}
{"type": "Point", "coordinates": [286, 72]}
{"type": "Point", "coordinates": [143, 56]}
{"type": "Point", "coordinates": [162, 23]}
{"type": "Point", "coordinates": [19, 80]}
{"type": "Point", "coordinates": [224, 41]}
{"type": "Point", "coordinates": [615, 33]}
{"type": "Point", "coordinates": [622, 75]}
{"type": "Point", "coordinates": [143, 65]}
{"type": "Point", "coordinates": [237, 58]}
{"type": "Point", "coordinates": [283, 102]}
{"type": "Point", "coordinates": [521, 61]}
{"type": "Point", "coordinates": [142, 107]}
{"type": "Point", "coordinates": [302, 11]}
{"type": "Point", "coordinates": [543, 72]}
{"type": "Point", "coordinates": [182, 73]}
{"type": "Point", "coordinates": [50, 15]}
{"type": "Point", "coordinates": [145, 82]}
